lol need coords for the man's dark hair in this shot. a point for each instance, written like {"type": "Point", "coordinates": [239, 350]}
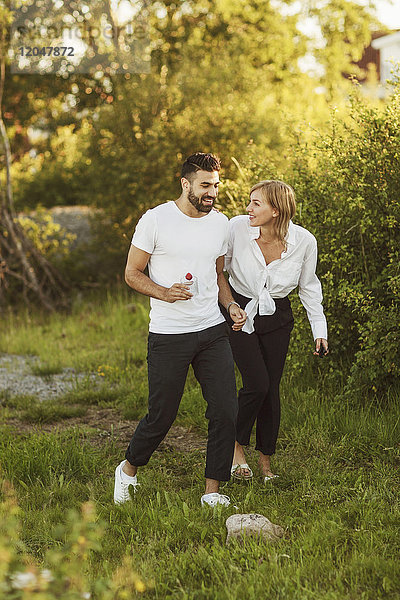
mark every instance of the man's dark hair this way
{"type": "Point", "coordinates": [200, 161]}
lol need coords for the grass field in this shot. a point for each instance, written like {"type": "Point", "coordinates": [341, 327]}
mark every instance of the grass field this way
{"type": "Point", "coordinates": [337, 496]}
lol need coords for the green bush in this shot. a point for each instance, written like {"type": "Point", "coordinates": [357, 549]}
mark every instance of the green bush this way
{"type": "Point", "coordinates": [347, 185]}
{"type": "Point", "coordinates": [65, 573]}
{"type": "Point", "coordinates": [349, 191]}
{"type": "Point", "coordinates": [48, 237]}
{"type": "Point", "coordinates": [377, 367]}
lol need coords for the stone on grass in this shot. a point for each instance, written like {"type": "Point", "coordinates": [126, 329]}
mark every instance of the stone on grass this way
{"type": "Point", "coordinates": [252, 525]}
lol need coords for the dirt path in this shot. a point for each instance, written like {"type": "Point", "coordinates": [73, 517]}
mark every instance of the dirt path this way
{"type": "Point", "coordinates": [107, 424]}
{"type": "Point", "coordinates": [16, 378]}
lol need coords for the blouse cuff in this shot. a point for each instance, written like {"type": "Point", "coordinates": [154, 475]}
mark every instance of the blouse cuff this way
{"type": "Point", "coordinates": [319, 330]}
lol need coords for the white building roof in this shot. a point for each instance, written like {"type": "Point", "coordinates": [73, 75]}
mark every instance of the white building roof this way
{"type": "Point", "coordinates": [387, 40]}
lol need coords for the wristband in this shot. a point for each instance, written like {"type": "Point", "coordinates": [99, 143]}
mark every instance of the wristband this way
{"type": "Point", "coordinates": [230, 304]}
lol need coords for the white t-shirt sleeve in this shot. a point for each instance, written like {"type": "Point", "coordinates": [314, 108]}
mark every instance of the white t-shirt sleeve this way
{"type": "Point", "coordinates": [145, 234]}
{"type": "Point", "coordinates": [225, 244]}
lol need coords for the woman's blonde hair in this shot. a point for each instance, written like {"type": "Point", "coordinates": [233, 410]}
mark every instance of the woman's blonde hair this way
{"type": "Point", "coordinates": [282, 198]}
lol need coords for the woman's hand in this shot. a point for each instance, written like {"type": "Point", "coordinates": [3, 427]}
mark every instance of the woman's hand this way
{"type": "Point", "coordinates": [318, 343]}
{"type": "Point", "coordinates": [238, 316]}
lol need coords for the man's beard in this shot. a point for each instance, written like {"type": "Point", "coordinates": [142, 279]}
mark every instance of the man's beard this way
{"type": "Point", "coordinates": [197, 202]}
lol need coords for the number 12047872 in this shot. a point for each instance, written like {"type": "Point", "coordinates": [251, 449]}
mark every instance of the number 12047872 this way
{"type": "Point", "coordinates": [46, 51]}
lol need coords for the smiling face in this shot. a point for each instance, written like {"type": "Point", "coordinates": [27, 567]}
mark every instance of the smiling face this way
{"type": "Point", "coordinates": [202, 189]}
{"type": "Point", "coordinates": [260, 210]}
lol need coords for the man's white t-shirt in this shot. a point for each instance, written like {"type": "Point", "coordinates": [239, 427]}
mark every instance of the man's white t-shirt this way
{"type": "Point", "coordinates": [179, 244]}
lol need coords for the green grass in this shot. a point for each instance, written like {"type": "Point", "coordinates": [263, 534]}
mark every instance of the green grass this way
{"type": "Point", "coordinates": [45, 370]}
{"type": "Point", "coordinates": [86, 394]}
{"type": "Point", "coordinates": [97, 334]}
{"type": "Point", "coordinates": [336, 497]}
{"type": "Point", "coordinates": [30, 409]}
{"type": "Point", "coordinates": [50, 412]}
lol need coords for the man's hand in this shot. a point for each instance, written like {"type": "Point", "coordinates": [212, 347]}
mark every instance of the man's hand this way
{"type": "Point", "coordinates": [238, 316]}
{"type": "Point", "coordinates": [177, 291]}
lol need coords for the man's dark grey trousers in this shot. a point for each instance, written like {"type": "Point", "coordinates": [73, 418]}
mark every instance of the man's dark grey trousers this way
{"type": "Point", "coordinates": [169, 357]}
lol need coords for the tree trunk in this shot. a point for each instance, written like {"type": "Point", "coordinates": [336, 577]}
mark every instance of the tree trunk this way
{"type": "Point", "coordinates": [24, 271]}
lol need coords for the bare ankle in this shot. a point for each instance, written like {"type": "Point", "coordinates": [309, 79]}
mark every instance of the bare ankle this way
{"type": "Point", "coordinates": [212, 486]}
{"type": "Point", "coordinates": [239, 457]}
{"type": "Point", "coordinates": [129, 469]}
{"type": "Point", "coordinates": [264, 462]}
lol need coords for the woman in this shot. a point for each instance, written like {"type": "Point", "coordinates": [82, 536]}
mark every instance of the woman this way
{"type": "Point", "coordinates": [268, 256]}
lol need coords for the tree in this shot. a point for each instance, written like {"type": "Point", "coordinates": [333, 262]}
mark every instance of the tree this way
{"type": "Point", "coordinates": [222, 73]}
{"type": "Point", "coordinates": [344, 28]}
{"type": "Point", "coordinates": [19, 259]}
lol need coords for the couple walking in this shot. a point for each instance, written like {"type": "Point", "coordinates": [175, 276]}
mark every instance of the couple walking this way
{"type": "Point", "coordinates": [186, 245]}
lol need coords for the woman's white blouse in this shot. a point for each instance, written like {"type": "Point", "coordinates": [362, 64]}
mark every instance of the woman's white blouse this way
{"type": "Point", "coordinates": [250, 276]}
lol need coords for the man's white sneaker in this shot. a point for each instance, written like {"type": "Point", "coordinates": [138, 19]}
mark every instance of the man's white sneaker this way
{"type": "Point", "coordinates": [214, 499]}
{"type": "Point", "coordinates": [122, 483]}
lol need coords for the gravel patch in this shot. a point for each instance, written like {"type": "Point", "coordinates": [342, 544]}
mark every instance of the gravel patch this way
{"type": "Point", "coordinates": [16, 378]}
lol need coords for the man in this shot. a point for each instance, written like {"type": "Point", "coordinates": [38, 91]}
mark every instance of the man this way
{"type": "Point", "coordinates": [183, 243]}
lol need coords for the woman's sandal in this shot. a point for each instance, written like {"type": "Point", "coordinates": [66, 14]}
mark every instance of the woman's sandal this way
{"type": "Point", "coordinates": [237, 471]}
